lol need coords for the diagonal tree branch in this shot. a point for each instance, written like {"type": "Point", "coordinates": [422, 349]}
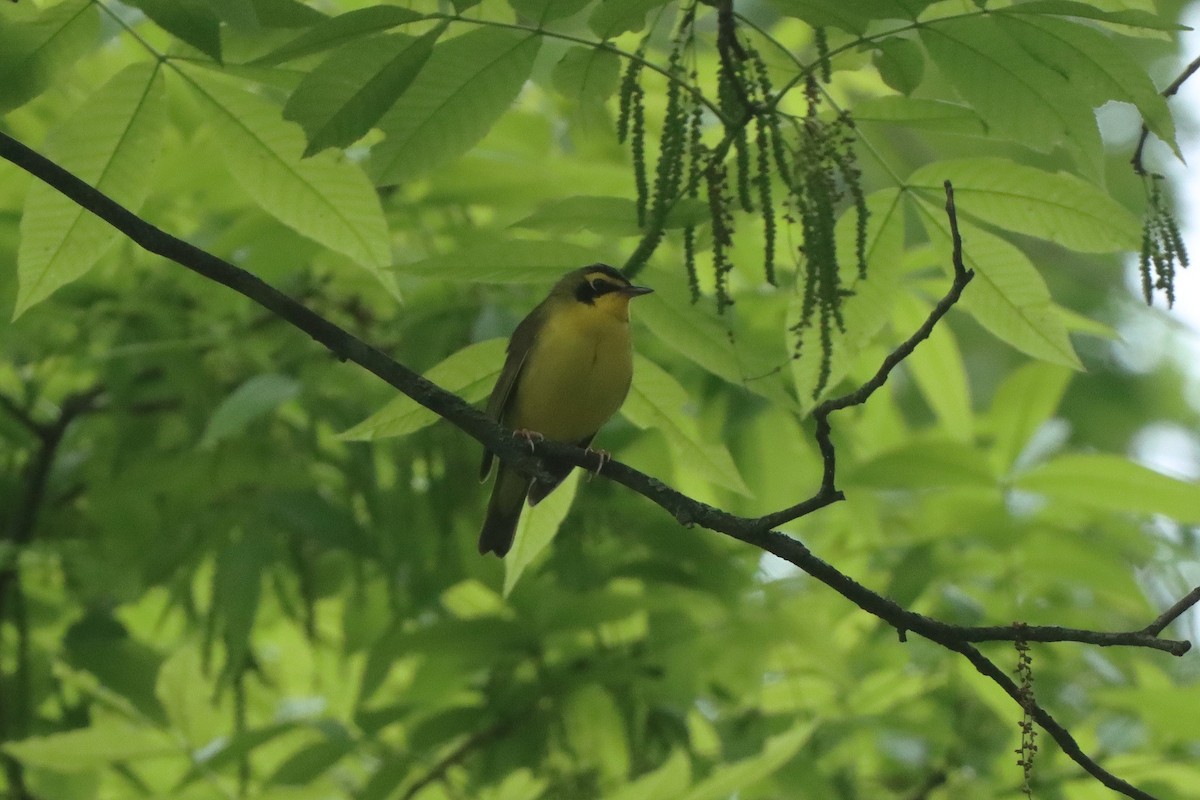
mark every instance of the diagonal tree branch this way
{"type": "Point", "coordinates": [1061, 735]}
{"type": "Point", "coordinates": [754, 531]}
{"type": "Point", "coordinates": [1173, 613]}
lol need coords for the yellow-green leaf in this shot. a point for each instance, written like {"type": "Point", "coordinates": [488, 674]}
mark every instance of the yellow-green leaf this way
{"type": "Point", "coordinates": [937, 366]}
{"type": "Point", "coordinates": [1109, 482]}
{"type": "Point", "coordinates": [731, 779]}
{"type": "Point", "coordinates": [1051, 205]}
{"type": "Point", "coordinates": [111, 142]}
{"type": "Point", "coordinates": [37, 46]}
{"type": "Point", "coordinates": [595, 732]}
{"type": "Point", "coordinates": [1019, 98]}
{"type": "Point", "coordinates": [339, 101]}
{"type": "Point", "coordinates": [656, 400]}
{"type": "Point", "coordinates": [665, 783]}
{"type": "Point", "coordinates": [342, 29]}
{"type": "Point", "coordinates": [254, 398]}
{"type": "Point", "coordinates": [466, 85]}
{"type": "Point", "coordinates": [503, 261]}
{"type": "Point", "coordinates": [537, 529]}
{"type": "Point", "coordinates": [86, 748]}
{"type": "Point", "coordinates": [1008, 296]}
{"type": "Point", "coordinates": [1027, 398]}
{"type": "Point", "coordinates": [468, 373]}
{"type": "Point", "coordinates": [325, 198]}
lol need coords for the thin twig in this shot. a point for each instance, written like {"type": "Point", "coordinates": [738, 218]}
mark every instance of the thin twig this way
{"type": "Point", "coordinates": [1173, 613]}
{"type": "Point", "coordinates": [1170, 91]}
{"type": "Point", "coordinates": [828, 493]}
{"type": "Point", "coordinates": [1048, 723]}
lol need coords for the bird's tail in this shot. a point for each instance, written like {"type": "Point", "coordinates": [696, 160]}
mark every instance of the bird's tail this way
{"type": "Point", "coordinates": [503, 513]}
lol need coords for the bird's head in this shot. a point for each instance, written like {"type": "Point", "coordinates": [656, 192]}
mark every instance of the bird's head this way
{"type": "Point", "coordinates": [601, 287]}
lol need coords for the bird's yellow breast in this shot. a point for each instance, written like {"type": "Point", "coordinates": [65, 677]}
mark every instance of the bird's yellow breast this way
{"type": "Point", "coordinates": [576, 375]}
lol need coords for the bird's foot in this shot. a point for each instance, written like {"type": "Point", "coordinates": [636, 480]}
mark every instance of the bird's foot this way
{"type": "Point", "coordinates": [529, 436]}
{"type": "Point", "coordinates": [604, 457]}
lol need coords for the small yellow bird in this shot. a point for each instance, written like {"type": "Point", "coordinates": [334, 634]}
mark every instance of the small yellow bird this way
{"type": "Point", "coordinates": [569, 366]}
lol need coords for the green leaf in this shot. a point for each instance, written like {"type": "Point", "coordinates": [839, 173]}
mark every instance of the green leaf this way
{"type": "Point", "coordinates": [1019, 98]}
{"type": "Point", "coordinates": [1027, 398]}
{"type": "Point", "coordinates": [937, 366]}
{"type": "Point", "coordinates": [687, 211]}
{"type": "Point", "coordinates": [609, 216]}
{"type": "Point", "coordinates": [466, 85]}
{"type": "Point", "coordinates": [1008, 296]}
{"type": "Point", "coordinates": [340, 101]}
{"type": "Point", "coordinates": [468, 373]}
{"type": "Point", "coordinates": [236, 588]}
{"type": "Point", "coordinates": [729, 779]}
{"type": "Point", "coordinates": [668, 781]}
{"type": "Point", "coordinates": [1097, 66]}
{"type": "Point", "coordinates": [283, 13]}
{"type": "Point", "coordinates": [919, 112]}
{"type": "Point", "coordinates": [595, 732]}
{"type": "Point", "coordinates": [614, 17]}
{"type": "Point", "coordinates": [125, 666]}
{"type": "Point", "coordinates": [37, 48]}
{"type": "Point", "coordinates": [344, 29]}
{"type": "Point", "coordinates": [111, 142]}
{"type": "Point", "coordinates": [226, 751]}
{"type": "Point", "coordinates": [1051, 205]}
{"type": "Point", "coordinates": [689, 329]}
{"type": "Point", "coordinates": [1112, 483]}
{"type": "Point", "coordinates": [101, 744]}
{"type": "Point", "coordinates": [537, 529]}
{"type": "Point", "coordinates": [240, 15]}
{"type": "Point", "coordinates": [543, 11]}
{"type": "Point", "coordinates": [852, 16]}
{"type": "Point", "coordinates": [1134, 17]}
{"type": "Point", "coordinates": [191, 21]}
{"type": "Point", "coordinates": [471, 599]}
{"type": "Point", "coordinates": [923, 464]}
{"type": "Point", "coordinates": [325, 198]}
{"type": "Point", "coordinates": [521, 784]}
{"type": "Point", "coordinates": [306, 764]}
{"type": "Point", "coordinates": [511, 261]}
{"type": "Point", "coordinates": [656, 400]}
{"type": "Point", "coordinates": [185, 693]}
{"type": "Point", "coordinates": [587, 74]}
{"type": "Point", "coordinates": [901, 64]}
{"type": "Point", "coordinates": [1078, 323]}
{"type": "Point", "coordinates": [253, 399]}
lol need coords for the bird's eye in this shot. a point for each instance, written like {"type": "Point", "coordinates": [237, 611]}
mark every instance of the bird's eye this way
{"type": "Point", "coordinates": [597, 286]}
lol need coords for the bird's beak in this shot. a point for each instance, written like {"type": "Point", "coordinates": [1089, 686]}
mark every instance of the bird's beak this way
{"type": "Point", "coordinates": [634, 291]}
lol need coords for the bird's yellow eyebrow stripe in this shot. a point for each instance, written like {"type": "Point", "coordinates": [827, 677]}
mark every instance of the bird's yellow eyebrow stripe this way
{"type": "Point", "coordinates": [603, 278]}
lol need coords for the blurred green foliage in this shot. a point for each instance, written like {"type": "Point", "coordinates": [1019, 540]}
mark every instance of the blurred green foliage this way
{"type": "Point", "coordinates": [250, 570]}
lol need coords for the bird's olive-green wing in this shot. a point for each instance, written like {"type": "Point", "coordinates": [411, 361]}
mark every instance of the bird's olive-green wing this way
{"type": "Point", "coordinates": [518, 350]}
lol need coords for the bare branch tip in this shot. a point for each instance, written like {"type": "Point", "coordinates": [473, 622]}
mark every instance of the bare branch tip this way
{"type": "Point", "coordinates": [1173, 613]}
